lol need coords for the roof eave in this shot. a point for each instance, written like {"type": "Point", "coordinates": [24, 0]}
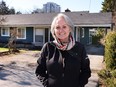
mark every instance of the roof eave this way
{"type": "Point", "coordinates": [96, 25]}
{"type": "Point", "coordinates": [26, 25]}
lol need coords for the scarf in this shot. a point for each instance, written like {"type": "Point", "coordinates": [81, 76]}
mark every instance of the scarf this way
{"type": "Point", "coordinates": [66, 46]}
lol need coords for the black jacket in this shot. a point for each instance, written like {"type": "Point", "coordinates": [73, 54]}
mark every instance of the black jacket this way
{"type": "Point", "coordinates": [72, 70]}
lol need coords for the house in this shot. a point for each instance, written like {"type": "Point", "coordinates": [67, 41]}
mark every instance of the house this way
{"type": "Point", "coordinates": [34, 29]}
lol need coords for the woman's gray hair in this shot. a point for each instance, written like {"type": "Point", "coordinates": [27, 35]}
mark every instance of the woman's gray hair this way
{"type": "Point", "coordinates": [67, 20]}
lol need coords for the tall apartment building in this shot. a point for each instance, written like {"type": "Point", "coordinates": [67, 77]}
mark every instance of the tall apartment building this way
{"type": "Point", "coordinates": [50, 7]}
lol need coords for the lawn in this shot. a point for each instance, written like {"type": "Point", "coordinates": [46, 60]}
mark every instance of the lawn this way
{"type": "Point", "coordinates": [3, 49]}
{"type": "Point", "coordinates": [21, 50]}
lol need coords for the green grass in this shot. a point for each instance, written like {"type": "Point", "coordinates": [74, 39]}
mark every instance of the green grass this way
{"type": "Point", "coordinates": [21, 50]}
{"type": "Point", "coordinates": [3, 49]}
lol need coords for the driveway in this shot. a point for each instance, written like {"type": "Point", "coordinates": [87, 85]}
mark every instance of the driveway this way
{"type": "Point", "coordinates": [96, 56]}
{"type": "Point", "coordinates": [18, 70]}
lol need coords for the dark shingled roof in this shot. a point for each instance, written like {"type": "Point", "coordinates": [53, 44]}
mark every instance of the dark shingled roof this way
{"type": "Point", "coordinates": [45, 19]}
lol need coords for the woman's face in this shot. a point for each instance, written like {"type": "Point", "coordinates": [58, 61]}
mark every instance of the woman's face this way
{"type": "Point", "coordinates": [61, 29]}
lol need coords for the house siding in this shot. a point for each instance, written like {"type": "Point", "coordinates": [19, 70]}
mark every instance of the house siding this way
{"type": "Point", "coordinates": [29, 36]}
{"type": "Point", "coordinates": [3, 39]}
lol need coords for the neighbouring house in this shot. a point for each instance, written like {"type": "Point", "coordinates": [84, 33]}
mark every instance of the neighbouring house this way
{"type": "Point", "coordinates": [34, 29]}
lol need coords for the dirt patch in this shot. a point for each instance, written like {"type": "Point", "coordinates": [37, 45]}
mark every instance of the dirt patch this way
{"type": "Point", "coordinates": [18, 70]}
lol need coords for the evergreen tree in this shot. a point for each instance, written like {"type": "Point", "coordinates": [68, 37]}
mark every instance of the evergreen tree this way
{"type": "Point", "coordinates": [109, 6]}
{"type": "Point", "coordinates": [18, 12]}
{"type": "Point", "coordinates": [5, 10]}
{"type": "Point", "coordinates": [37, 10]}
{"type": "Point", "coordinates": [11, 11]}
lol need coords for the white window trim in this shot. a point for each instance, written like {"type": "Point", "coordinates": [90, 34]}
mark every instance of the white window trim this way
{"type": "Point", "coordinates": [83, 33]}
{"type": "Point", "coordinates": [42, 34]}
{"type": "Point", "coordinates": [24, 32]}
{"type": "Point", "coordinates": [2, 31]}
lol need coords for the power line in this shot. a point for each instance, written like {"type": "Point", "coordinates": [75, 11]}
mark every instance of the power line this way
{"type": "Point", "coordinates": [89, 5]}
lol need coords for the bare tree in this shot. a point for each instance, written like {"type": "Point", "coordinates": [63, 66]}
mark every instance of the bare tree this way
{"type": "Point", "coordinates": [12, 40]}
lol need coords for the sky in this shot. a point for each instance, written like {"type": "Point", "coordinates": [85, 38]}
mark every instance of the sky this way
{"type": "Point", "coordinates": [27, 6]}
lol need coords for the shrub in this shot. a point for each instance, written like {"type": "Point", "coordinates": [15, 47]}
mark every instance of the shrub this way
{"type": "Point", "coordinates": [113, 73]}
{"type": "Point", "coordinates": [110, 50]}
{"type": "Point", "coordinates": [110, 82]}
{"type": "Point", "coordinates": [95, 39]}
{"type": "Point", "coordinates": [104, 74]}
{"type": "Point", "coordinates": [107, 78]}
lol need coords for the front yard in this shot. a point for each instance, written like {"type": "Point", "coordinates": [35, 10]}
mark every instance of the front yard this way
{"type": "Point", "coordinates": [18, 70]}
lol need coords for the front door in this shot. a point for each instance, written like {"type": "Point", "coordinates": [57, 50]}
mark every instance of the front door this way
{"type": "Point", "coordinates": [39, 37]}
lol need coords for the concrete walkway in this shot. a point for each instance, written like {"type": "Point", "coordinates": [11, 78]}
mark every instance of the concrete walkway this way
{"type": "Point", "coordinates": [96, 66]}
{"type": "Point", "coordinates": [95, 55]}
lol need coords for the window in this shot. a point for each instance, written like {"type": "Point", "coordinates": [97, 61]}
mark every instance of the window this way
{"type": "Point", "coordinates": [39, 38]}
{"type": "Point", "coordinates": [5, 31]}
{"type": "Point", "coordinates": [21, 33]}
{"type": "Point", "coordinates": [82, 32]}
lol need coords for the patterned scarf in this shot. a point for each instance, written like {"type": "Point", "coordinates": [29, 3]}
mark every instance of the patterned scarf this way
{"type": "Point", "coordinates": [66, 46]}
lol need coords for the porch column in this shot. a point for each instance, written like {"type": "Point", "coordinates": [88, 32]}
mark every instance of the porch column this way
{"type": "Point", "coordinates": [46, 34]}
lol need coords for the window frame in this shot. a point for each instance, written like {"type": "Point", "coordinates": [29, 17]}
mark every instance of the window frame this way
{"type": "Point", "coordinates": [8, 32]}
{"type": "Point", "coordinates": [83, 33]}
{"type": "Point", "coordinates": [21, 32]}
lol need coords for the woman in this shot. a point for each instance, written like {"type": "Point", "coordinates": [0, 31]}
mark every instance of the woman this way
{"type": "Point", "coordinates": [63, 62]}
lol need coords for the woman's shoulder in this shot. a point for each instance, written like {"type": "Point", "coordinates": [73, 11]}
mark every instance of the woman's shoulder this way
{"type": "Point", "coordinates": [79, 44]}
{"type": "Point", "coordinates": [48, 44]}
{"type": "Point", "coordinates": [47, 47]}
